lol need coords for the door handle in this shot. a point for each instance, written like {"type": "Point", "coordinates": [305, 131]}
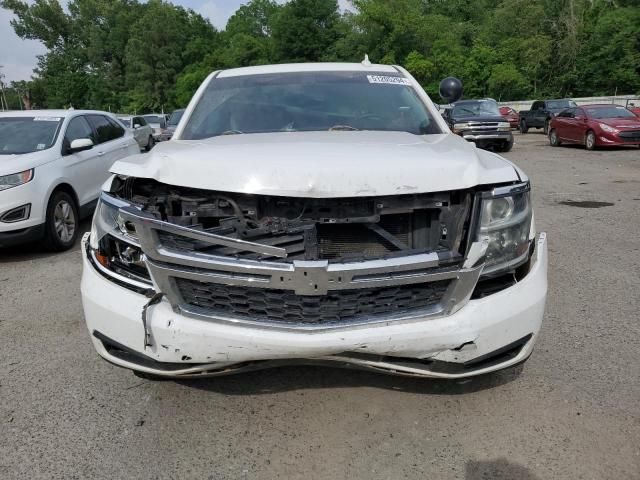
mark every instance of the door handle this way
{"type": "Point", "coordinates": [100, 154]}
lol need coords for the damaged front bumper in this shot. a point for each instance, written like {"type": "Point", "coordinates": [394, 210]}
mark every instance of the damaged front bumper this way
{"type": "Point", "coordinates": [484, 335]}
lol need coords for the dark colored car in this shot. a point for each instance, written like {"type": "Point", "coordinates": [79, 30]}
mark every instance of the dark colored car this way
{"type": "Point", "coordinates": [595, 126]}
{"type": "Point", "coordinates": [541, 113]}
{"type": "Point", "coordinates": [511, 115]}
{"type": "Point", "coordinates": [480, 121]}
{"type": "Point", "coordinates": [172, 123]}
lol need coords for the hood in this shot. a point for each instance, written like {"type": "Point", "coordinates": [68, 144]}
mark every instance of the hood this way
{"type": "Point", "coordinates": [19, 163]}
{"type": "Point", "coordinates": [321, 164]}
{"type": "Point", "coordinates": [621, 123]}
{"type": "Point", "coordinates": [479, 118]}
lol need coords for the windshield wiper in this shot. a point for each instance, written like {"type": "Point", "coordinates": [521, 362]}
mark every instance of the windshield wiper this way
{"type": "Point", "coordinates": [344, 128]}
{"type": "Point", "coordinates": [232, 132]}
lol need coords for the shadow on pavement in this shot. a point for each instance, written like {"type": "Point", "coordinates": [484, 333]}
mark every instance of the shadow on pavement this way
{"type": "Point", "coordinates": [35, 251]}
{"type": "Point", "coordinates": [499, 469]}
{"type": "Point", "coordinates": [285, 379]}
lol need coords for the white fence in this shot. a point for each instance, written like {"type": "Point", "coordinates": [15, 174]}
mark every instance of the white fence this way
{"type": "Point", "coordinates": [624, 100]}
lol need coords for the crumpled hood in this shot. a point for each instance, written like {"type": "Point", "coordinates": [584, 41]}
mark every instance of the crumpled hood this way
{"type": "Point", "coordinates": [19, 163]}
{"type": "Point", "coordinates": [321, 164]}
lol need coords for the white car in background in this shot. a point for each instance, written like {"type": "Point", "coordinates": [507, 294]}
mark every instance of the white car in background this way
{"type": "Point", "coordinates": [158, 122]}
{"type": "Point", "coordinates": [52, 165]}
{"type": "Point", "coordinates": [142, 131]}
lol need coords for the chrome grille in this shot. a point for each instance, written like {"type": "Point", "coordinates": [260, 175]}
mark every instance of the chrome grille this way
{"type": "Point", "coordinates": [287, 307]}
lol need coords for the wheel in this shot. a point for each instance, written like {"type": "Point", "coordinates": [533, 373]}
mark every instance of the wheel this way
{"type": "Point", "coordinates": [590, 140]}
{"type": "Point", "coordinates": [554, 140]}
{"type": "Point", "coordinates": [61, 224]}
{"type": "Point", "coordinates": [546, 127]}
{"type": "Point", "coordinates": [506, 146]}
{"type": "Point", "coordinates": [150, 143]}
{"type": "Point", "coordinates": [523, 126]}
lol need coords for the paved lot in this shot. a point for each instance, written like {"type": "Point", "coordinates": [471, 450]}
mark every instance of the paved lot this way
{"type": "Point", "coordinates": [573, 412]}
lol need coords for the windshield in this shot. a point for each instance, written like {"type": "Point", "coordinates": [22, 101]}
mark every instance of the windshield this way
{"type": "Point", "coordinates": [559, 104]}
{"type": "Point", "coordinates": [27, 134]}
{"type": "Point", "coordinates": [154, 119]}
{"type": "Point", "coordinates": [309, 101]}
{"type": "Point", "coordinates": [175, 117]}
{"type": "Point", "coordinates": [609, 112]}
{"type": "Point", "coordinates": [476, 109]}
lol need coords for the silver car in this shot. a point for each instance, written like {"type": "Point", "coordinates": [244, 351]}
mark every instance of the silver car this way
{"type": "Point", "coordinates": [142, 131]}
{"type": "Point", "coordinates": [158, 122]}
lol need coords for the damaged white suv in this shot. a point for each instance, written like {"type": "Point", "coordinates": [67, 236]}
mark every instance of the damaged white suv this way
{"type": "Point", "coordinates": [315, 212]}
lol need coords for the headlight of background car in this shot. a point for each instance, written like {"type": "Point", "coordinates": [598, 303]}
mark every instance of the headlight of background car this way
{"type": "Point", "coordinates": [15, 179]}
{"type": "Point", "coordinates": [115, 246]}
{"type": "Point", "coordinates": [609, 129]}
{"type": "Point", "coordinates": [506, 221]}
{"type": "Point", "coordinates": [459, 127]}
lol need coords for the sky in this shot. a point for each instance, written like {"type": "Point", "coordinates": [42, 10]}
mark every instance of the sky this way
{"type": "Point", "coordinates": [18, 57]}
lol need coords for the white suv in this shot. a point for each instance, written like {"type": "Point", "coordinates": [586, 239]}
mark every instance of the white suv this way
{"type": "Point", "coordinates": [315, 213]}
{"type": "Point", "coordinates": [52, 164]}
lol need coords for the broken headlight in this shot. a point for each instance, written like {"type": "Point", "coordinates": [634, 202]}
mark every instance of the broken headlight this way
{"type": "Point", "coordinates": [114, 244]}
{"type": "Point", "coordinates": [505, 223]}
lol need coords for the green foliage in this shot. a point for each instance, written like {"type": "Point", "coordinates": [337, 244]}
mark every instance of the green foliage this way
{"type": "Point", "coordinates": [142, 56]}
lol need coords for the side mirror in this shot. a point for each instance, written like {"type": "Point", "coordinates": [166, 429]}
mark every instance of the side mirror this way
{"type": "Point", "coordinates": [80, 145]}
{"type": "Point", "coordinates": [136, 126]}
{"type": "Point", "coordinates": [451, 89]}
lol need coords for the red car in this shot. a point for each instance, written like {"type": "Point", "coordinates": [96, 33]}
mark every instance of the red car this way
{"type": "Point", "coordinates": [595, 126]}
{"type": "Point", "coordinates": [511, 115]}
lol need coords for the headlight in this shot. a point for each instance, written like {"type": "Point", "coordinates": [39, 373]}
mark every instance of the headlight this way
{"type": "Point", "coordinates": [505, 221]}
{"type": "Point", "coordinates": [15, 179]}
{"type": "Point", "coordinates": [114, 245]}
{"type": "Point", "coordinates": [458, 127]}
{"type": "Point", "coordinates": [609, 129]}
{"type": "Point", "coordinates": [504, 126]}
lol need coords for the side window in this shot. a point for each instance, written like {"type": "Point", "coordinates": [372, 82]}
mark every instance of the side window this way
{"type": "Point", "coordinates": [537, 106]}
{"type": "Point", "coordinates": [578, 112]}
{"type": "Point", "coordinates": [117, 131]}
{"type": "Point", "coordinates": [78, 128]}
{"type": "Point", "coordinates": [106, 129]}
{"type": "Point", "coordinates": [142, 121]}
{"type": "Point", "coordinates": [135, 122]}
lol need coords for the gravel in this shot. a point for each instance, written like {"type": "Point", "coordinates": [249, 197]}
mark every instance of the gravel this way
{"type": "Point", "coordinates": [572, 412]}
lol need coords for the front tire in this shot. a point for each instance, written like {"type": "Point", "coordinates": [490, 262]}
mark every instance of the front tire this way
{"type": "Point", "coordinates": [546, 127]}
{"type": "Point", "coordinates": [61, 225]}
{"type": "Point", "coordinates": [523, 126]}
{"type": "Point", "coordinates": [554, 140]}
{"type": "Point", "coordinates": [504, 146]}
{"type": "Point", "coordinates": [590, 140]}
{"type": "Point", "coordinates": [150, 144]}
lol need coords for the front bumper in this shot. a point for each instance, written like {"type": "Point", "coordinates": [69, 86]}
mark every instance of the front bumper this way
{"type": "Point", "coordinates": [493, 136]}
{"type": "Point", "coordinates": [485, 335]}
{"type": "Point", "coordinates": [607, 139]}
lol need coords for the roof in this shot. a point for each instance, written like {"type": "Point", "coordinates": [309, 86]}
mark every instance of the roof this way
{"type": "Point", "coordinates": [591, 105]}
{"type": "Point", "coordinates": [48, 113]}
{"type": "Point", "coordinates": [307, 67]}
{"type": "Point", "coordinates": [475, 100]}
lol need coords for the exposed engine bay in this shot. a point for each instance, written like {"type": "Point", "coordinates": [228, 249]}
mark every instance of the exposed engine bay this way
{"type": "Point", "coordinates": [335, 229]}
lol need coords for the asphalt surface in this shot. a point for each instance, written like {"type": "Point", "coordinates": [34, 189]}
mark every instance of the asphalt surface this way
{"type": "Point", "coordinates": [573, 412]}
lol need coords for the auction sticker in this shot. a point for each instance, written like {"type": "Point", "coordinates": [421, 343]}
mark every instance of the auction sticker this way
{"type": "Point", "coordinates": [46, 119]}
{"type": "Point", "coordinates": [388, 80]}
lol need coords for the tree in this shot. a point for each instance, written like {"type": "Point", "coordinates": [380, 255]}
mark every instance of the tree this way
{"type": "Point", "coordinates": [306, 30]}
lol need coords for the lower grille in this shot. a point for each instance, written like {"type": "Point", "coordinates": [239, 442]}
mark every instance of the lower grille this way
{"type": "Point", "coordinates": [283, 306]}
{"type": "Point", "coordinates": [632, 136]}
